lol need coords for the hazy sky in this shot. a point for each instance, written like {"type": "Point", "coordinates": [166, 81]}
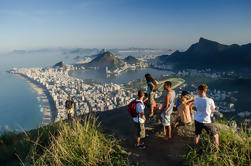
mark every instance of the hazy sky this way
{"type": "Point", "coordinates": [31, 24]}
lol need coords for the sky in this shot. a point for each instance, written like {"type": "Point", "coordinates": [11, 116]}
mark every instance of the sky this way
{"type": "Point", "coordinates": [175, 24]}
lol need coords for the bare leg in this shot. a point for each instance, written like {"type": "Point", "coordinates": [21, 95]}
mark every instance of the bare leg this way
{"type": "Point", "coordinates": [164, 130]}
{"type": "Point", "coordinates": [169, 132]}
{"type": "Point", "coordinates": [151, 108]}
{"type": "Point", "coordinates": [196, 140]}
{"type": "Point", "coordinates": [216, 140]}
{"type": "Point", "coordinates": [138, 141]}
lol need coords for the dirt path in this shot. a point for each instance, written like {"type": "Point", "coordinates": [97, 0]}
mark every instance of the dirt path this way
{"type": "Point", "coordinates": [159, 151]}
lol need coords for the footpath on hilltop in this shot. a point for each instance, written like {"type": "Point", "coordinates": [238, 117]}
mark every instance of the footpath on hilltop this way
{"type": "Point", "coordinates": [159, 151]}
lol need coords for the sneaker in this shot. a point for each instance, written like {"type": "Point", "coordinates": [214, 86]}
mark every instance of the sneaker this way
{"type": "Point", "coordinates": [141, 147]}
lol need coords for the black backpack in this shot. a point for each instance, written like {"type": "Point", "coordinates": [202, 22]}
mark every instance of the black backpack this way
{"type": "Point", "coordinates": [68, 104]}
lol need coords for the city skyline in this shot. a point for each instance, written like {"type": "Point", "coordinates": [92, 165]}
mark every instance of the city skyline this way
{"type": "Point", "coordinates": [30, 24]}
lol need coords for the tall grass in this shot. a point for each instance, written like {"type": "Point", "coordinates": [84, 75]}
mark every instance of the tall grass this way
{"type": "Point", "coordinates": [80, 142]}
{"type": "Point", "coordinates": [233, 150]}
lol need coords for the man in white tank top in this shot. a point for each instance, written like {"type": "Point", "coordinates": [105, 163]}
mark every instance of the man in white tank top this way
{"type": "Point", "coordinates": [167, 108]}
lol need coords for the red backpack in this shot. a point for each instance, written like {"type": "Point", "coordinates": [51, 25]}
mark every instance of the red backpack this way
{"type": "Point", "coordinates": [132, 108]}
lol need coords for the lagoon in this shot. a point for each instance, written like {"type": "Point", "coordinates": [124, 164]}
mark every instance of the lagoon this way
{"type": "Point", "coordinates": [122, 78]}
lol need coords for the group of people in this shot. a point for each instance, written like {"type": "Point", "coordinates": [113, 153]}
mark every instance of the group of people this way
{"type": "Point", "coordinates": [184, 104]}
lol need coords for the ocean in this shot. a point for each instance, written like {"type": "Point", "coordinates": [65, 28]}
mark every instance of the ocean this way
{"type": "Point", "coordinates": [20, 106]}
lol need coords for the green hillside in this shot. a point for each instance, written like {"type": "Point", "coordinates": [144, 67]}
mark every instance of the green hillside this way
{"type": "Point", "coordinates": [81, 142]}
{"type": "Point", "coordinates": [87, 141]}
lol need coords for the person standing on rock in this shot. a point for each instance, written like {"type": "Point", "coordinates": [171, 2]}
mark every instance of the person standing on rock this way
{"type": "Point", "coordinates": [204, 106]}
{"type": "Point", "coordinates": [69, 106]}
{"type": "Point", "coordinates": [140, 119]}
{"type": "Point", "coordinates": [151, 88]}
{"type": "Point", "coordinates": [167, 107]}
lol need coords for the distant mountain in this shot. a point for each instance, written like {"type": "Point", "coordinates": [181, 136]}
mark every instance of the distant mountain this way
{"type": "Point", "coordinates": [208, 53]}
{"type": "Point", "coordinates": [59, 64]}
{"type": "Point", "coordinates": [83, 51]}
{"type": "Point", "coordinates": [19, 51]}
{"type": "Point", "coordinates": [131, 60]}
{"type": "Point", "coordinates": [105, 59]}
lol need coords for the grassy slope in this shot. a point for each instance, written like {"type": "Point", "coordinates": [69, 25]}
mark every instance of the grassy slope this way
{"type": "Point", "coordinates": [77, 143]}
{"type": "Point", "coordinates": [233, 150]}
{"type": "Point", "coordinates": [84, 143]}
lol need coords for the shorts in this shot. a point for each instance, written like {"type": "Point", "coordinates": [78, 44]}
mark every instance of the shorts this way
{"type": "Point", "coordinates": [211, 130]}
{"type": "Point", "coordinates": [70, 111]}
{"type": "Point", "coordinates": [166, 119]}
{"type": "Point", "coordinates": [182, 123]}
{"type": "Point", "coordinates": [140, 130]}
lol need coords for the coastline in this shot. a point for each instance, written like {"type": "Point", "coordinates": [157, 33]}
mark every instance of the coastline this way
{"type": "Point", "coordinates": [46, 100]}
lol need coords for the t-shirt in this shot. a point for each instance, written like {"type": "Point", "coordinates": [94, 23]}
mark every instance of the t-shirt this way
{"type": "Point", "coordinates": [204, 106]}
{"type": "Point", "coordinates": [68, 104]}
{"type": "Point", "coordinates": [184, 113]}
{"type": "Point", "coordinates": [139, 109]}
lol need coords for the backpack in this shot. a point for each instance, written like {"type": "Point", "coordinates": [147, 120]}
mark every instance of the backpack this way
{"type": "Point", "coordinates": [132, 108]}
{"type": "Point", "coordinates": [68, 104]}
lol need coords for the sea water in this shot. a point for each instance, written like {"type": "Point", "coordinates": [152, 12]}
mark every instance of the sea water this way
{"type": "Point", "coordinates": [20, 106]}
{"type": "Point", "coordinates": [122, 78]}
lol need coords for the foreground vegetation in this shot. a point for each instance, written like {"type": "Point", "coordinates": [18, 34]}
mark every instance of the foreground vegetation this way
{"type": "Point", "coordinates": [80, 142]}
{"type": "Point", "coordinates": [234, 149]}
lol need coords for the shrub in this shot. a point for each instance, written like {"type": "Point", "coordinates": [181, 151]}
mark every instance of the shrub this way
{"type": "Point", "coordinates": [233, 150]}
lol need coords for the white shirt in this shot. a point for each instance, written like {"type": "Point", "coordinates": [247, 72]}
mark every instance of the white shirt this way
{"type": "Point", "coordinates": [139, 109]}
{"type": "Point", "coordinates": [204, 106]}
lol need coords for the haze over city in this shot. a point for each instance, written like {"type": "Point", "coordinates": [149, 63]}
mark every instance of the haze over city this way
{"type": "Point", "coordinates": [34, 24]}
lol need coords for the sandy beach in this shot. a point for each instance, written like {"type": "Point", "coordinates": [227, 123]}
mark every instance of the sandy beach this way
{"type": "Point", "coordinates": [43, 94]}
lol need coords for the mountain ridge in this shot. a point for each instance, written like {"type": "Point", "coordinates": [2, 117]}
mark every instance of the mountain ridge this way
{"type": "Point", "coordinates": [209, 53]}
{"type": "Point", "coordinates": [105, 59]}
{"type": "Point", "coordinates": [131, 60]}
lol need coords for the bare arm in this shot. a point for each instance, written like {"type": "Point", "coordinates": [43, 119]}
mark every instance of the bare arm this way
{"type": "Point", "coordinates": [190, 101]}
{"type": "Point", "coordinates": [213, 110]}
{"type": "Point", "coordinates": [142, 116]}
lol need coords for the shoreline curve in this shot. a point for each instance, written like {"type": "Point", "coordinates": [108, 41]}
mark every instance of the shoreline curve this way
{"type": "Point", "coordinates": [48, 105]}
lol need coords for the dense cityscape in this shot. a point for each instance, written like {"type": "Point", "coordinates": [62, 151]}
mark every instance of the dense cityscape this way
{"type": "Point", "coordinates": [86, 97]}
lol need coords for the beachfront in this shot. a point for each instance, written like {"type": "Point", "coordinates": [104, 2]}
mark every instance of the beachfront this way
{"type": "Point", "coordinates": [87, 98]}
{"type": "Point", "coordinates": [47, 107]}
